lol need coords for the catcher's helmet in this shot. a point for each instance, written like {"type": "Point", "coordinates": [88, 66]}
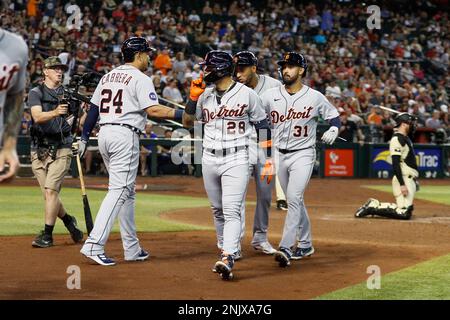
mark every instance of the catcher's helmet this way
{"type": "Point", "coordinates": [295, 59]}
{"type": "Point", "coordinates": [245, 58]}
{"type": "Point", "coordinates": [404, 117]}
{"type": "Point", "coordinates": [133, 45]}
{"type": "Point", "coordinates": [217, 65]}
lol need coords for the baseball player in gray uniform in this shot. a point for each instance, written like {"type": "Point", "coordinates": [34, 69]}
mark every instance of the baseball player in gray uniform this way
{"type": "Point", "coordinates": [228, 111]}
{"type": "Point", "coordinates": [246, 65]}
{"type": "Point", "coordinates": [13, 69]}
{"type": "Point", "coordinates": [294, 110]}
{"type": "Point", "coordinates": [123, 99]}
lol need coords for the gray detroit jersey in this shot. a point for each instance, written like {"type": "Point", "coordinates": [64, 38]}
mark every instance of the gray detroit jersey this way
{"type": "Point", "coordinates": [122, 96]}
{"type": "Point", "coordinates": [228, 123]}
{"type": "Point", "coordinates": [13, 68]}
{"type": "Point", "coordinates": [294, 117]}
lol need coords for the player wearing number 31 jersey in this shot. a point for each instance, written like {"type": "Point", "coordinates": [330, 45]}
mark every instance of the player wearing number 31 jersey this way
{"type": "Point", "coordinates": [294, 110]}
{"type": "Point", "coordinates": [123, 99]}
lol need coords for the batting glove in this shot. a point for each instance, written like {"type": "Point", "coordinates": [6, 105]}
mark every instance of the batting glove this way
{"type": "Point", "coordinates": [82, 144]}
{"type": "Point", "coordinates": [268, 171]}
{"type": "Point", "coordinates": [197, 88]}
{"type": "Point", "coordinates": [330, 135]}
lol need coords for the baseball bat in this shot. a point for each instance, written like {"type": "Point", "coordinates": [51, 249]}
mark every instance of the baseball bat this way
{"type": "Point", "coordinates": [389, 109]}
{"type": "Point", "coordinates": [86, 207]}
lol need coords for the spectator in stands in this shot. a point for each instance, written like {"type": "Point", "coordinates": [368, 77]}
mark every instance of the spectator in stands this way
{"type": "Point", "coordinates": [146, 150]}
{"type": "Point", "coordinates": [434, 122]}
{"type": "Point", "coordinates": [362, 65]}
{"type": "Point", "coordinates": [26, 123]}
{"type": "Point", "coordinates": [163, 62]}
{"type": "Point", "coordinates": [333, 89]}
{"type": "Point", "coordinates": [349, 129]}
{"type": "Point", "coordinates": [164, 152]}
{"type": "Point", "coordinates": [172, 93]}
{"type": "Point", "coordinates": [375, 116]}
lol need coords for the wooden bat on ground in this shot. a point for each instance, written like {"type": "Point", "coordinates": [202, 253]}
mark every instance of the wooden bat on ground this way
{"type": "Point", "coordinates": [86, 207]}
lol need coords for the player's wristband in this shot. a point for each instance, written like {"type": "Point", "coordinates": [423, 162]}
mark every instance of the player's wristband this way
{"type": "Point", "coordinates": [191, 107]}
{"type": "Point", "coordinates": [178, 116]}
{"type": "Point", "coordinates": [267, 145]}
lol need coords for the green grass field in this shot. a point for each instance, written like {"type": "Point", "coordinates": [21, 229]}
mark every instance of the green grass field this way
{"type": "Point", "coordinates": [22, 210]}
{"type": "Point", "coordinates": [438, 194]}
{"type": "Point", "coordinates": [424, 281]}
{"type": "Point", "coordinates": [22, 213]}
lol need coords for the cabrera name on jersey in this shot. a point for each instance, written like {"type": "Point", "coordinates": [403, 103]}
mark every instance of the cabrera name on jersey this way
{"type": "Point", "coordinates": [294, 117]}
{"type": "Point", "coordinates": [123, 94]}
{"type": "Point", "coordinates": [229, 123]}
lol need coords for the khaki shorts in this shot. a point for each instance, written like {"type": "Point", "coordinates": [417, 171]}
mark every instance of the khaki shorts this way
{"type": "Point", "coordinates": [50, 173]}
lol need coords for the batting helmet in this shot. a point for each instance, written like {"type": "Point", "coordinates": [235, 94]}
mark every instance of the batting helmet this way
{"type": "Point", "coordinates": [133, 45]}
{"type": "Point", "coordinates": [217, 65]}
{"type": "Point", "coordinates": [295, 59]}
{"type": "Point", "coordinates": [245, 58]}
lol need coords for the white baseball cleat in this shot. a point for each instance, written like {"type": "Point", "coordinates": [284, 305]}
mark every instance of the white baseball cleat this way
{"type": "Point", "coordinates": [103, 260]}
{"type": "Point", "coordinates": [265, 247]}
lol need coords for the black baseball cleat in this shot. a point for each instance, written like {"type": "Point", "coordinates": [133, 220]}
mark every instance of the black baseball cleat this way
{"type": "Point", "coordinates": [75, 233]}
{"type": "Point", "coordinates": [42, 240]}
{"type": "Point", "coordinates": [283, 257]}
{"type": "Point", "coordinates": [301, 253]}
{"type": "Point", "coordinates": [224, 266]}
{"type": "Point", "coordinates": [282, 205]}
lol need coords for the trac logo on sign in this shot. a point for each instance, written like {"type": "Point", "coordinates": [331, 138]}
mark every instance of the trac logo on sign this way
{"type": "Point", "coordinates": [428, 162]}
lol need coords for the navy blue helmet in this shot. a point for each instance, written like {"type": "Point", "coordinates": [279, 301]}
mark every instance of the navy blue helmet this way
{"type": "Point", "coordinates": [133, 45]}
{"type": "Point", "coordinates": [245, 58]}
{"type": "Point", "coordinates": [217, 64]}
{"type": "Point", "coordinates": [295, 59]}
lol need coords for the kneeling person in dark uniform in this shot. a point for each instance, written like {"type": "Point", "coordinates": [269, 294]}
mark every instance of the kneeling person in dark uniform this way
{"type": "Point", "coordinates": [404, 182]}
{"type": "Point", "coordinates": [51, 152]}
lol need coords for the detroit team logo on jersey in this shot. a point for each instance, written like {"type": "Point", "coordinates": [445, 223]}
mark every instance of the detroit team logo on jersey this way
{"type": "Point", "coordinates": [224, 112]}
{"type": "Point", "coordinates": [6, 74]}
{"type": "Point", "coordinates": [152, 96]}
{"type": "Point", "coordinates": [291, 115]}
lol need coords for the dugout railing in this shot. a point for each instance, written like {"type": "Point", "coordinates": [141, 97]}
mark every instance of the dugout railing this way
{"type": "Point", "coordinates": [343, 159]}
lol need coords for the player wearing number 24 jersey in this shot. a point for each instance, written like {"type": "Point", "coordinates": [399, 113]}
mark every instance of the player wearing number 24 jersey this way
{"type": "Point", "coordinates": [123, 99]}
{"type": "Point", "coordinates": [294, 111]}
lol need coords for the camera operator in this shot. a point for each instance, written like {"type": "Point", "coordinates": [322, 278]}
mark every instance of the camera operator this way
{"type": "Point", "coordinates": [51, 152]}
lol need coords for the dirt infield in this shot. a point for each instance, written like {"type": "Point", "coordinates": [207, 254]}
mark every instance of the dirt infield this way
{"type": "Point", "coordinates": [180, 266]}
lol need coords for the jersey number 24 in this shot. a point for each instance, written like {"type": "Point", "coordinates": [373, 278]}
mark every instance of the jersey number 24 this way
{"type": "Point", "coordinates": [106, 100]}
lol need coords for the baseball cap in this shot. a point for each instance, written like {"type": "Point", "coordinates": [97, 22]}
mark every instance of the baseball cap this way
{"type": "Point", "coordinates": [52, 62]}
{"type": "Point", "coordinates": [444, 108]}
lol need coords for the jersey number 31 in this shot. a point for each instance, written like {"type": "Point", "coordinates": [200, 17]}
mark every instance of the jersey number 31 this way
{"type": "Point", "coordinates": [106, 99]}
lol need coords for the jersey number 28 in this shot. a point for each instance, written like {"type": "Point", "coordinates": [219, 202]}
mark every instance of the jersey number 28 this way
{"type": "Point", "coordinates": [231, 127]}
{"type": "Point", "coordinates": [106, 99]}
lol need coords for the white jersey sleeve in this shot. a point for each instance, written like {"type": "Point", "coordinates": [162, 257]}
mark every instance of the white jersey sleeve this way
{"type": "Point", "coordinates": [326, 109]}
{"type": "Point", "coordinates": [95, 99]}
{"type": "Point", "coordinates": [147, 96]}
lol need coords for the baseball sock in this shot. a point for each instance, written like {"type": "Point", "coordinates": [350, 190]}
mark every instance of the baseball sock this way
{"type": "Point", "coordinates": [68, 222]}
{"type": "Point", "coordinates": [48, 230]}
{"type": "Point", "coordinates": [66, 219]}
